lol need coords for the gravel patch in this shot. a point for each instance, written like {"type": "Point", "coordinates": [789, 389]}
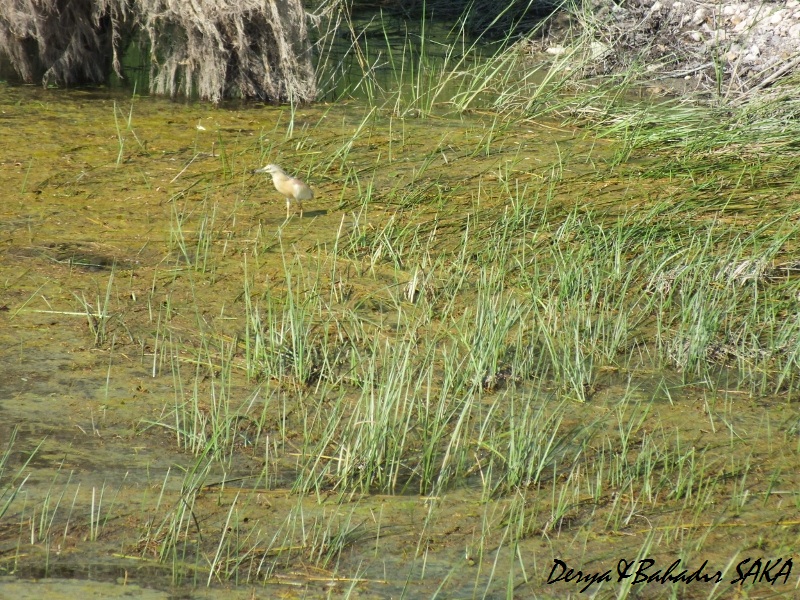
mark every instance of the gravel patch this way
{"type": "Point", "coordinates": [742, 46]}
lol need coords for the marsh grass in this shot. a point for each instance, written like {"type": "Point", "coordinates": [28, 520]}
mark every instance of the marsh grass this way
{"type": "Point", "coordinates": [421, 70]}
{"type": "Point", "coordinates": [99, 315]}
{"type": "Point", "coordinates": [42, 526]}
{"type": "Point", "coordinates": [11, 485]}
{"type": "Point", "coordinates": [474, 377]}
{"type": "Point", "coordinates": [482, 337]}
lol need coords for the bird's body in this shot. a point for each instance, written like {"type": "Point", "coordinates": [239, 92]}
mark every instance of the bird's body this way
{"type": "Point", "coordinates": [293, 189]}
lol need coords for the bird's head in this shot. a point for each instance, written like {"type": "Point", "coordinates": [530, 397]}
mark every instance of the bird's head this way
{"type": "Point", "coordinates": [271, 169]}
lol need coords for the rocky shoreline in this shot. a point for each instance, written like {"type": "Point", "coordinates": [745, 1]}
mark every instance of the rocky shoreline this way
{"type": "Point", "coordinates": [736, 46]}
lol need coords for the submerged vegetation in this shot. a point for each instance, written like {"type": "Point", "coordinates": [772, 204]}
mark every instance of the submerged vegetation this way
{"type": "Point", "coordinates": [519, 323]}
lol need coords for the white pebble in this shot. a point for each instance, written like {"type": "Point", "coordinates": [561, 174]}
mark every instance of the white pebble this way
{"type": "Point", "coordinates": [699, 16]}
{"type": "Point", "coordinates": [597, 50]}
{"type": "Point", "coordinates": [777, 17]}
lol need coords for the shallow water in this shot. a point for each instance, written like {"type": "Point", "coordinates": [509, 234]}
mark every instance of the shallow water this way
{"type": "Point", "coordinates": [133, 229]}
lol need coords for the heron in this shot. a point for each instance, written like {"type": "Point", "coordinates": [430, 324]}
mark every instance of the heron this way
{"type": "Point", "coordinates": [292, 188]}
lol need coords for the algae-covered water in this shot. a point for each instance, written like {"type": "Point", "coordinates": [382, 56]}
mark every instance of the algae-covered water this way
{"type": "Point", "coordinates": [484, 347]}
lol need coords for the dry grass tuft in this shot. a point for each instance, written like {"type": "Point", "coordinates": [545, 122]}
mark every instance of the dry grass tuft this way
{"type": "Point", "coordinates": [249, 48]}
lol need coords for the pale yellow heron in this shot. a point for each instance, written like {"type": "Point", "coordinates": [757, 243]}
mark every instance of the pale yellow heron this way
{"type": "Point", "coordinates": [293, 189]}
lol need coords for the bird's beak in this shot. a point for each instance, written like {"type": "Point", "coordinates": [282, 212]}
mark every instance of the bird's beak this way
{"type": "Point", "coordinates": [261, 170]}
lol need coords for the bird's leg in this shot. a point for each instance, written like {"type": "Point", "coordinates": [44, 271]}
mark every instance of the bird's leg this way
{"type": "Point", "coordinates": [288, 208]}
{"type": "Point", "coordinates": [300, 206]}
